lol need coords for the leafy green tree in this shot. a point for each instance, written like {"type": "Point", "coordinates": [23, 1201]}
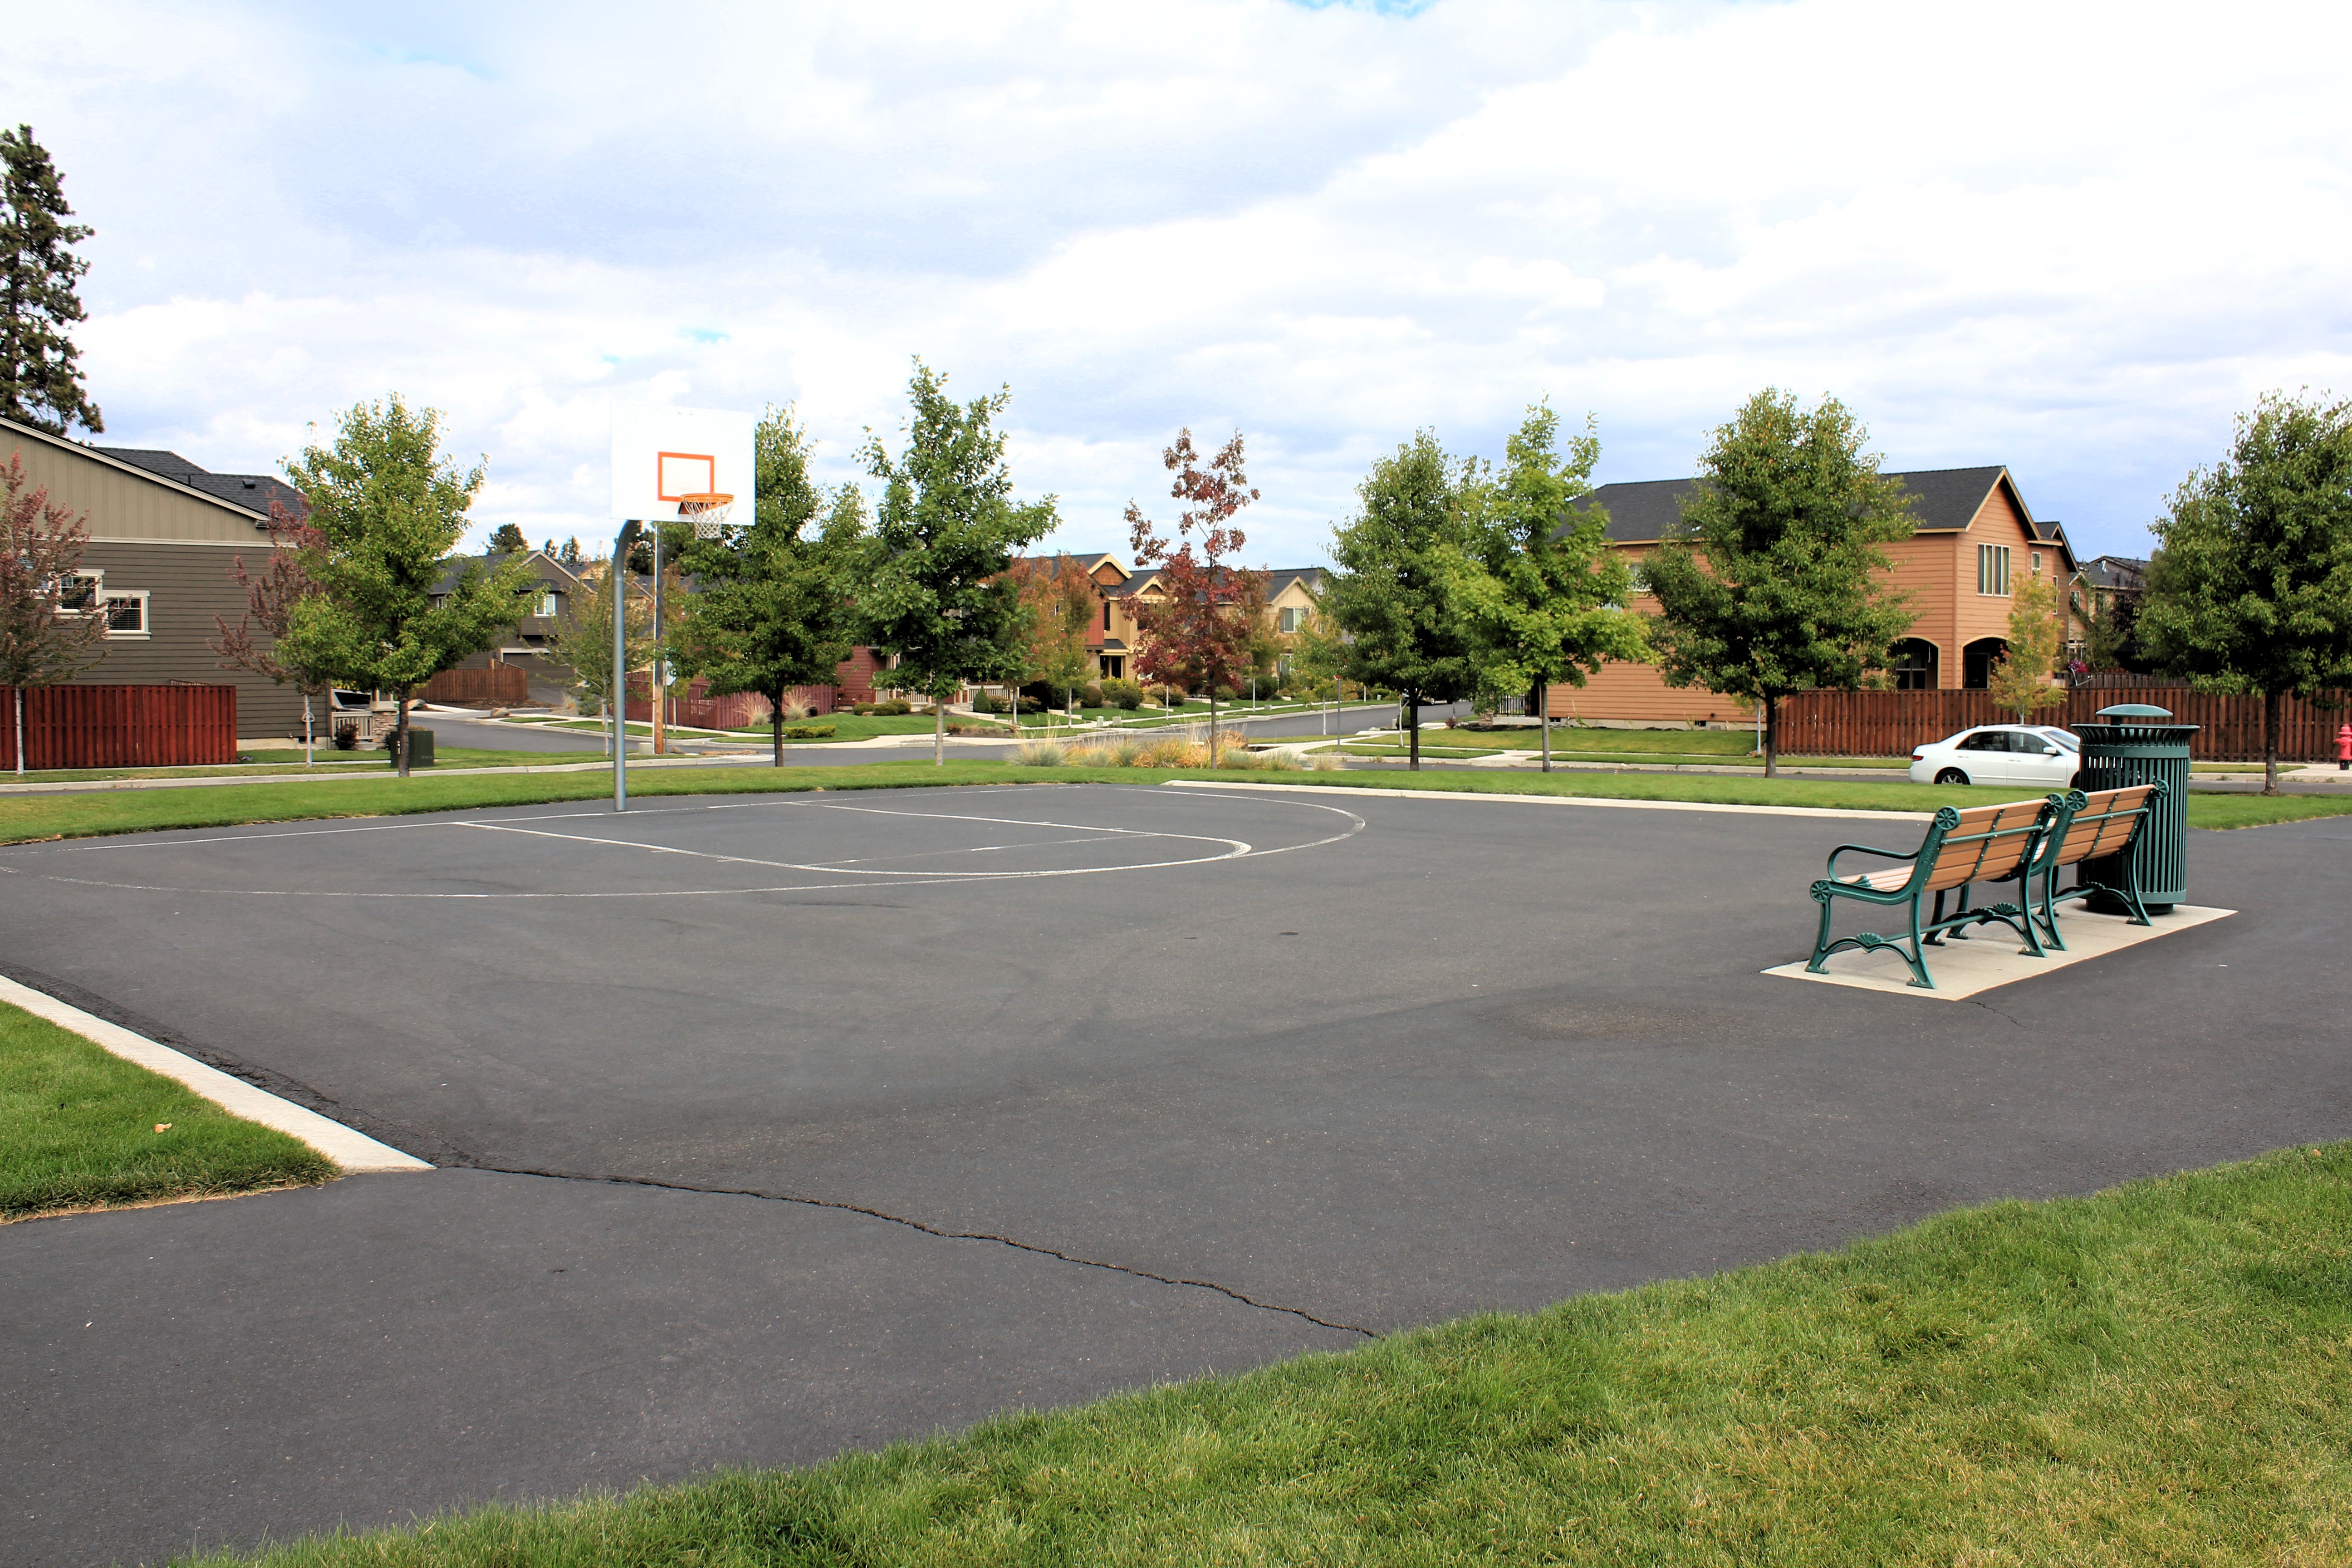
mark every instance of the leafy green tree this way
{"type": "Point", "coordinates": [1399, 562]}
{"type": "Point", "coordinates": [1775, 582]}
{"type": "Point", "coordinates": [770, 609]}
{"type": "Point", "coordinates": [1541, 590]}
{"type": "Point", "coordinates": [934, 589]}
{"type": "Point", "coordinates": [581, 640]}
{"type": "Point", "coordinates": [2020, 680]}
{"type": "Point", "coordinates": [40, 371]}
{"type": "Point", "coordinates": [389, 510]}
{"type": "Point", "coordinates": [2251, 586]}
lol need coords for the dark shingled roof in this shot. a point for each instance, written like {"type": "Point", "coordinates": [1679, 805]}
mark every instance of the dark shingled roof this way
{"type": "Point", "coordinates": [1279, 578]}
{"type": "Point", "coordinates": [552, 572]}
{"type": "Point", "coordinates": [1943, 499]}
{"type": "Point", "coordinates": [254, 492]}
{"type": "Point", "coordinates": [2123, 573]}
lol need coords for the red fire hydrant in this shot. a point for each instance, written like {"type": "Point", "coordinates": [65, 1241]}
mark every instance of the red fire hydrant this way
{"type": "Point", "coordinates": [2344, 748]}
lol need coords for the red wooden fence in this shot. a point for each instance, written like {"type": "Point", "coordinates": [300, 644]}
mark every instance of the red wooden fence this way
{"type": "Point", "coordinates": [499, 686]}
{"type": "Point", "coordinates": [693, 706]}
{"type": "Point", "coordinates": [1890, 723]}
{"type": "Point", "coordinates": [121, 726]}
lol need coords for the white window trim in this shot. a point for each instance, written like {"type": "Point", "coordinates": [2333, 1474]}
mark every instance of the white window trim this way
{"type": "Point", "coordinates": [146, 624]}
{"type": "Point", "coordinates": [1992, 571]}
{"type": "Point", "coordinates": [546, 605]}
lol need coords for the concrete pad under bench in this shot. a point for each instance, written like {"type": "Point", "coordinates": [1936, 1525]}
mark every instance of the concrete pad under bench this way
{"type": "Point", "coordinates": [1992, 955]}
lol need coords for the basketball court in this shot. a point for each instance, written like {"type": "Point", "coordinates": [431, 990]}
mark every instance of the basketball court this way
{"type": "Point", "coordinates": [841, 1116]}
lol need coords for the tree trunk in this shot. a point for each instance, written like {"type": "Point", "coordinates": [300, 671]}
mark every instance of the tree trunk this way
{"type": "Point", "coordinates": [400, 734]}
{"type": "Point", "coordinates": [309, 756]}
{"type": "Point", "coordinates": [2270, 742]}
{"type": "Point", "coordinates": [776, 727]}
{"type": "Point", "coordinates": [1413, 746]}
{"type": "Point", "coordinates": [1771, 737]}
{"type": "Point", "coordinates": [940, 732]}
{"type": "Point", "coordinates": [1543, 707]}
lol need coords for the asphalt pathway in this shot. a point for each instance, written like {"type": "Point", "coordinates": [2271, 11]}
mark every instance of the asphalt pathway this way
{"type": "Point", "coordinates": [850, 1118]}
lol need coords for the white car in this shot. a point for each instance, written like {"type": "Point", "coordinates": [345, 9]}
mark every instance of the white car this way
{"type": "Point", "coordinates": [2031, 756]}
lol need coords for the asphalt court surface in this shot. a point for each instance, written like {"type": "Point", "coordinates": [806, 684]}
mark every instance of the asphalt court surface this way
{"type": "Point", "coordinates": [766, 1074]}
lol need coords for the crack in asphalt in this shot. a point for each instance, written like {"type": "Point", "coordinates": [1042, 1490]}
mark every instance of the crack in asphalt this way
{"type": "Point", "coordinates": [427, 1146]}
{"type": "Point", "coordinates": [472, 1164]}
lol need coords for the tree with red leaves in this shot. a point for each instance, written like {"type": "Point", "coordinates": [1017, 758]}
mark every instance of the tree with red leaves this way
{"type": "Point", "coordinates": [1200, 633]}
{"type": "Point", "coordinates": [49, 623]}
{"type": "Point", "coordinates": [270, 596]}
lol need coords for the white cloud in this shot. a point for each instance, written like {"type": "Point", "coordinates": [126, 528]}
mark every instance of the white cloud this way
{"type": "Point", "coordinates": [2070, 238]}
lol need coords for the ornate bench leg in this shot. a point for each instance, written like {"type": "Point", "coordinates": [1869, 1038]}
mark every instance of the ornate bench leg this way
{"type": "Point", "coordinates": [1821, 943]}
{"type": "Point", "coordinates": [1918, 955]}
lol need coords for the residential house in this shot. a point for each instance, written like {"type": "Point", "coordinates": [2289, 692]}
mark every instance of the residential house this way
{"type": "Point", "coordinates": [1119, 590]}
{"type": "Point", "coordinates": [1975, 538]}
{"type": "Point", "coordinates": [524, 644]}
{"type": "Point", "coordinates": [166, 535]}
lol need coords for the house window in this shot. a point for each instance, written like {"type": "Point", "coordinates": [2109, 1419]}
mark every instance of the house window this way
{"type": "Point", "coordinates": [79, 594]}
{"type": "Point", "coordinates": [546, 603]}
{"type": "Point", "coordinates": [1105, 614]}
{"type": "Point", "coordinates": [2037, 563]}
{"type": "Point", "coordinates": [1637, 581]}
{"type": "Point", "coordinates": [1912, 663]}
{"type": "Point", "coordinates": [1291, 620]}
{"type": "Point", "coordinates": [126, 613]}
{"type": "Point", "coordinates": [1992, 569]}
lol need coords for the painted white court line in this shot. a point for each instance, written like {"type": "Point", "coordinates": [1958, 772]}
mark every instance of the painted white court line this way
{"type": "Point", "coordinates": [1992, 955]}
{"type": "Point", "coordinates": [1558, 800]}
{"type": "Point", "coordinates": [356, 1152]}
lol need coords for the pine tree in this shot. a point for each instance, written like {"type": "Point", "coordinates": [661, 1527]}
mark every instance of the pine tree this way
{"type": "Point", "coordinates": [40, 380]}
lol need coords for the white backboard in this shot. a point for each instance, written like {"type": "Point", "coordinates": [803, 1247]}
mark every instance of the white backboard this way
{"type": "Point", "coordinates": [661, 453]}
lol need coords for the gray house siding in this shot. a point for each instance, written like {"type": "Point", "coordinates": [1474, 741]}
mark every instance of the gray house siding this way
{"type": "Point", "coordinates": [187, 586]}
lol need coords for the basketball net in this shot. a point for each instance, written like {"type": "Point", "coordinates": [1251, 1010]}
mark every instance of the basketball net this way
{"type": "Point", "coordinates": [708, 512]}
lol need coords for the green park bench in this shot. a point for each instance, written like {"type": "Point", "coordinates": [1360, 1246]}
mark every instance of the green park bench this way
{"type": "Point", "coordinates": [1992, 844]}
{"type": "Point", "coordinates": [2101, 823]}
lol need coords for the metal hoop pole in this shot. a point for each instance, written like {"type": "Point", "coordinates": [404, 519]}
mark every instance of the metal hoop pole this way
{"type": "Point", "coordinates": [617, 686]}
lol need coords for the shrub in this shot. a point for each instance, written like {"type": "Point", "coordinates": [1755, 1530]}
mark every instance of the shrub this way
{"type": "Point", "coordinates": [1090, 695]}
{"type": "Point", "coordinates": [808, 732]}
{"type": "Point", "coordinates": [1044, 754]}
{"type": "Point", "coordinates": [347, 735]}
{"type": "Point", "coordinates": [1127, 694]}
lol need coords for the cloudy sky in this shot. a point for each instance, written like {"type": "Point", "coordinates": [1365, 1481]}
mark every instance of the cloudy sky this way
{"type": "Point", "coordinates": [2069, 238]}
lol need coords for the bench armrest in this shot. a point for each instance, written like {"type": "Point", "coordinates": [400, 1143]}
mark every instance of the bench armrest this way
{"type": "Point", "coordinates": [1866, 849]}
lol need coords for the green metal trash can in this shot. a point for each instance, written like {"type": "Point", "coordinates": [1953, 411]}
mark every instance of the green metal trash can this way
{"type": "Point", "coordinates": [2137, 744]}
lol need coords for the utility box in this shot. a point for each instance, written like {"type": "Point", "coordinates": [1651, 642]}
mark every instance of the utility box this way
{"type": "Point", "coordinates": [420, 747]}
{"type": "Point", "coordinates": [2134, 743]}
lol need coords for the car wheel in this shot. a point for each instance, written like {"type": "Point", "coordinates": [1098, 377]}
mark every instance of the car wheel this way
{"type": "Point", "coordinates": [1952, 776]}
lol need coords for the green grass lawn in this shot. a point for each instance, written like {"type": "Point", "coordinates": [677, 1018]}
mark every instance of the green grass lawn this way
{"type": "Point", "coordinates": [2158, 1374]}
{"type": "Point", "coordinates": [78, 1130]}
{"type": "Point", "coordinates": [29, 817]}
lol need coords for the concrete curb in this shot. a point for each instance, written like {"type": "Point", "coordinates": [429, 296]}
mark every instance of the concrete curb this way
{"type": "Point", "coordinates": [356, 1152]}
{"type": "Point", "coordinates": [1562, 800]}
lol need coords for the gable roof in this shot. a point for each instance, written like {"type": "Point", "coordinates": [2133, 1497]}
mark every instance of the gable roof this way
{"type": "Point", "coordinates": [2124, 574]}
{"type": "Point", "coordinates": [1278, 579]}
{"type": "Point", "coordinates": [254, 492]}
{"type": "Point", "coordinates": [1944, 501]}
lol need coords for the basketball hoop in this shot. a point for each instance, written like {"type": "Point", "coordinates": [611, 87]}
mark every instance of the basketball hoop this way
{"type": "Point", "coordinates": [708, 511]}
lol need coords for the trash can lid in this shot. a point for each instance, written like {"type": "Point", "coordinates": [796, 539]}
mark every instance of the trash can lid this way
{"type": "Point", "coordinates": [2134, 710]}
